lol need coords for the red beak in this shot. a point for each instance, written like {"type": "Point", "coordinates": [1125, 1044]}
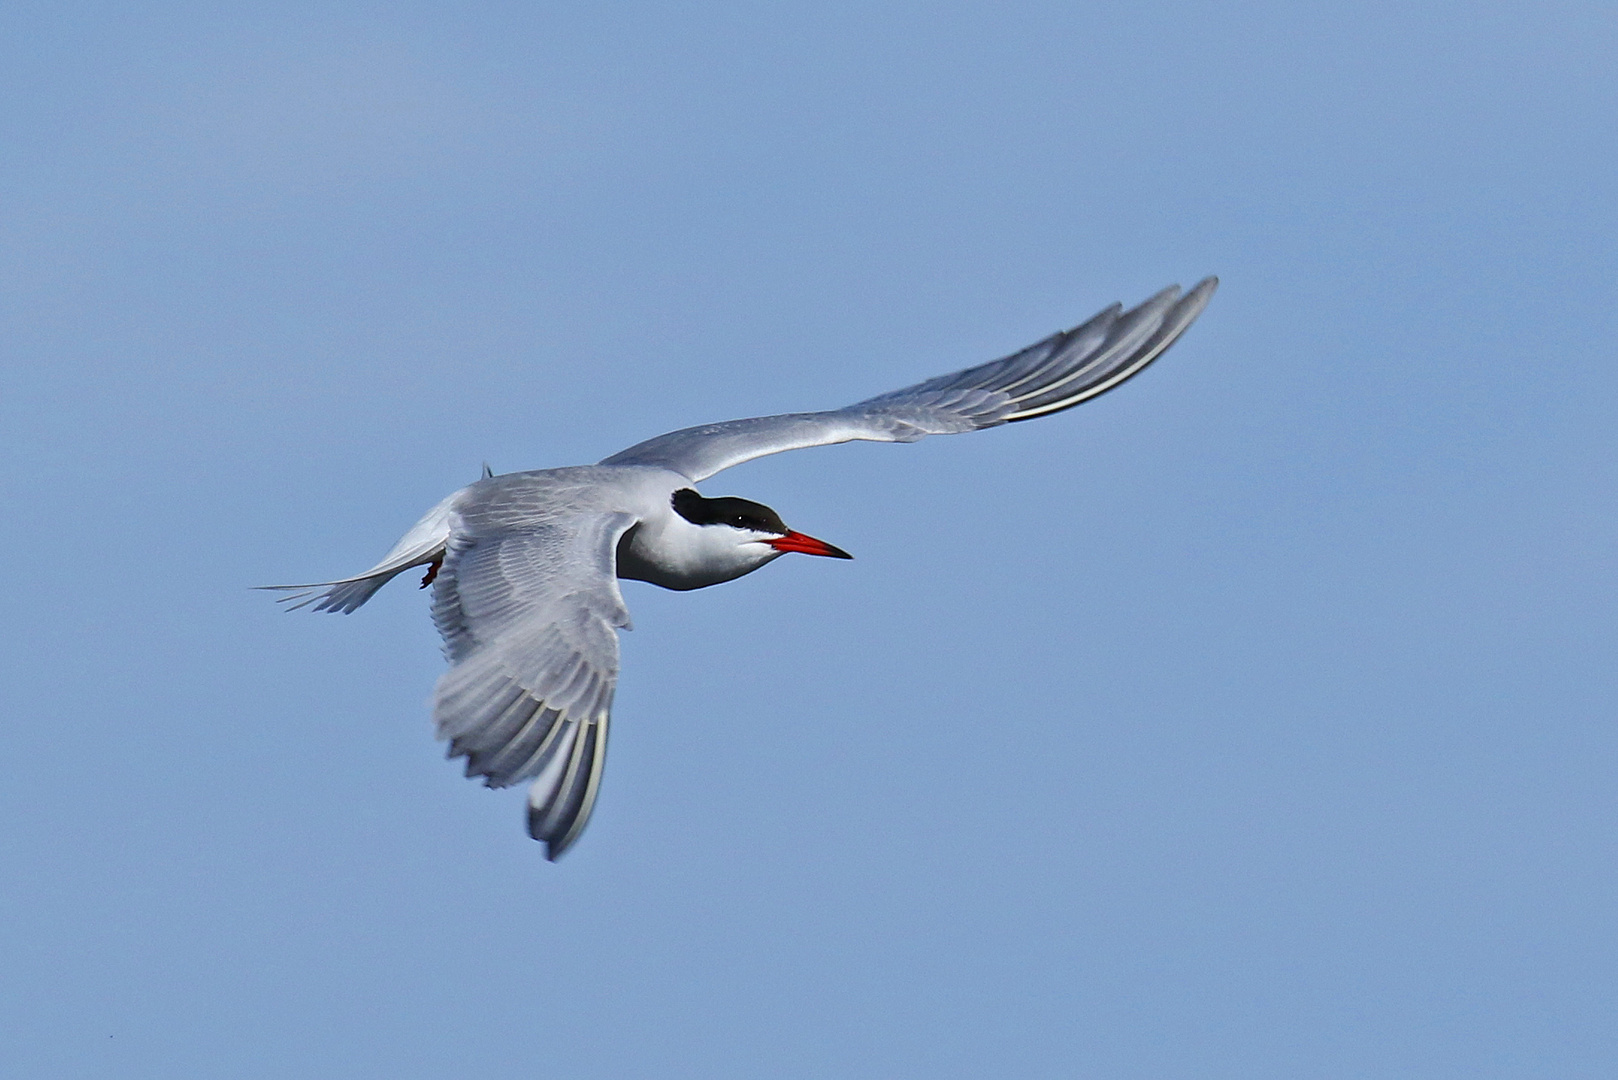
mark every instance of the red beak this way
{"type": "Point", "coordinates": [796, 541]}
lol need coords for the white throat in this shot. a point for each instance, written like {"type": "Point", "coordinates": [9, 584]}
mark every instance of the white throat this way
{"type": "Point", "coordinates": [668, 550]}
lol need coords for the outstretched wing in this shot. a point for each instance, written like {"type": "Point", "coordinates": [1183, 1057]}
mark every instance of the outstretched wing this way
{"type": "Point", "coordinates": [1058, 373]}
{"type": "Point", "coordinates": [528, 610]}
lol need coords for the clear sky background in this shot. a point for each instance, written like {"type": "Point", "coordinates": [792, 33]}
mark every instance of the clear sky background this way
{"type": "Point", "coordinates": [1253, 721]}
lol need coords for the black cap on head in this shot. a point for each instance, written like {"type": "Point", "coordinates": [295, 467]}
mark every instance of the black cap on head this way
{"type": "Point", "coordinates": [737, 513]}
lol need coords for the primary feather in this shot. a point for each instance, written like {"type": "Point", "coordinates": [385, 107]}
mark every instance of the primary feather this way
{"type": "Point", "coordinates": [1057, 373]}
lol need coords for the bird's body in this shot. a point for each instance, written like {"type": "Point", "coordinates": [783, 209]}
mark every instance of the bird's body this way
{"type": "Point", "coordinates": [525, 566]}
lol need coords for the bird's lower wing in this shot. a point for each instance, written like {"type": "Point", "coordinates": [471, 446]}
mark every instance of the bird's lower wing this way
{"type": "Point", "coordinates": [1057, 373]}
{"type": "Point", "coordinates": [529, 618]}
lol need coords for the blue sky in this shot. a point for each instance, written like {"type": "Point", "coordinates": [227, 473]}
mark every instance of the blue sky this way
{"type": "Point", "coordinates": [1253, 721]}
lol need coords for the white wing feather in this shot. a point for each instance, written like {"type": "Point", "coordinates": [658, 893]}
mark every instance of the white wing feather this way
{"type": "Point", "coordinates": [528, 606]}
{"type": "Point", "coordinates": [1055, 374]}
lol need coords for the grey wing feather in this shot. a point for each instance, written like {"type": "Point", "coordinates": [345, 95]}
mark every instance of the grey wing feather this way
{"type": "Point", "coordinates": [529, 614]}
{"type": "Point", "coordinates": [1057, 373]}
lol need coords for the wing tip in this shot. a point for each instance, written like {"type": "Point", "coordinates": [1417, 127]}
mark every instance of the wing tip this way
{"type": "Point", "coordinates": [1203, 291]}
{"type": "Point", "coordinates": [559, 818]}
{"type": "Point", "coordinates": [1170, 313]}
{"type": "Point", "coordinates": [554, 848]}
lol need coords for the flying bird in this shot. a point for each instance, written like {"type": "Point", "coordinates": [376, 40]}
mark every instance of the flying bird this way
{"type": "Point", "coordinates": [524, 566]}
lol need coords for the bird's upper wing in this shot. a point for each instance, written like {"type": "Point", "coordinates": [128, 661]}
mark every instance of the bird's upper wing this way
{"type": "Point", "coordinates": [1055, 374]}
{"type": "Point", "coordinates": [528, 605]}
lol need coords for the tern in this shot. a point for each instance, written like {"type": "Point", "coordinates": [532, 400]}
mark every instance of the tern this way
{"type": "Point", "coordinates": [524, 566]}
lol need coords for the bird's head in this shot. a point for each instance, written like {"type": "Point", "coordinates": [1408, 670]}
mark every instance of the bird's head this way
{"type": "Point", "coordinates": [749, 527]}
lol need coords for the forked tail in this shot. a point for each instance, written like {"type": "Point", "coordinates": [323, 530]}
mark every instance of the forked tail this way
{"type": "Point", "coordinates": [342, 596]}
{"type": "Point", "coordinates": [423, 545]}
